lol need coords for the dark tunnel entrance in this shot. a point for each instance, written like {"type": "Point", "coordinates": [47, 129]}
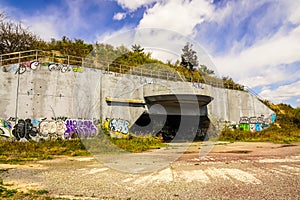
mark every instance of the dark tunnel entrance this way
{"type": "Point", "coordinates": [181, 117]}
{"type": "Point", "coordinates": [194, 129]}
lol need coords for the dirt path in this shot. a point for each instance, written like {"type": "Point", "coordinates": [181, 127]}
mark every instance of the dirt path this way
{"type": "Point", "coordinates": [227, 171]}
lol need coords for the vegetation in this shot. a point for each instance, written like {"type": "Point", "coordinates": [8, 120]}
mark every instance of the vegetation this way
{"type": "Point", "coordinates": [135, 144]}
{"type": "Point", "coordinates": [285, 129]}
{"type": "Point", "coordinates": [19, 152]}
{"type": "Point", "coordinates": [6, 193]}
{"type": "Point", "coordinates": [189, 57]}
{"type": "Point", "coordinates": [15, 37]}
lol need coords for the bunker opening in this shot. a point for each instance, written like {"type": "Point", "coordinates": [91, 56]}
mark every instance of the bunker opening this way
{"type": "Point", "coordinates": [175, 118]}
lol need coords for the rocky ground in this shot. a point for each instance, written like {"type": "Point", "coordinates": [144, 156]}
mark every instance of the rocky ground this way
{"type": "Point", "coordinates": [185, 171]}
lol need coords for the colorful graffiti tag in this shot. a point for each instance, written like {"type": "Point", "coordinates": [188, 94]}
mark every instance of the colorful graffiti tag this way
{"type": "Point", "coordinates": [198, 85]}
{"type": "Point", "coordinates": [27, 66]}
{"type": "Point", "coordinates": [119, 128]}
{"type": "Point", "coordinates": [83, 128]}
{"type": "Point", "coordinates": [34, 65]}
{"type": "Point", "coordinates": [52, 128]}
{"type": "Point", "coordinates": [25, 130]}
{"type": "Point", "coordinates": [255, 124]}
{"type": "Point", "coordinates": [5, 128]}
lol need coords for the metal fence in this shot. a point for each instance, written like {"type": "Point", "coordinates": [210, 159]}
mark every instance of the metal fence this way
{"type": "Point", "coordinates": [52, 57]}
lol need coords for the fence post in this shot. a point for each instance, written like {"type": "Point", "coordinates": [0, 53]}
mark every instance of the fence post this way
{"type": "Point", "coordinates": [120, 68]}
{"type": "Point", "coordinates": [81, 62]}
{"type": "Point", "coordinates": [1, 60]}
{"type": "Point", "coordinates": [52, 57]}
{"type": "Point", "coordinates": [68, 60]}
{"type": "Point", "coordinates": [36, 55]}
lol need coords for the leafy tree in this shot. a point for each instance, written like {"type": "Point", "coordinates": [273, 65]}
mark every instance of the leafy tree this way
{"type": "Point", "coordinates": [137, 48]}
{"type": "Point", "coordinates": [69, 47]}
{"type": "Point", "coordinates": [15, 37]}
{"type": "Point", "coordinates": [204, 70]}
{"type": "Point", "coordinates": [189, 57]}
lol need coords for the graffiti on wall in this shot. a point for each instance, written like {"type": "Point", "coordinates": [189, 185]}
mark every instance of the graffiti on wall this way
{"type": "Point", "coordinates": [34, 65]}
{"type": "Point", "coordinates": [145, 80]}
{"type": "Point", "coordinates": [198, 85]}
{"type": "Point", "coordinates": [52, 128]}
{"type": "Point", "coordinates": [25, 130]}
{"type": "Point", "coordinates": [27, 66]}
{"type": "Point", "coordinates": [59, 67]}
{"type": "Point", "coordinates": [83, 128]}
{"type": "Point", "coordinates": [5, 128]}
{"type": "Point", "coordinates": [254, 124]}
{"type": "Point", "coordinates": [119, 128]}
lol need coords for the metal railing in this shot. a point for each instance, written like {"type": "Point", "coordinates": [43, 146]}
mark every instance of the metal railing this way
{"type": "Point", "coordinates": [52, 57]}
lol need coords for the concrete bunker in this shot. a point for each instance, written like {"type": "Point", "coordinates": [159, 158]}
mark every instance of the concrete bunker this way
{"type": "Point", "coordinates": [175, 117]}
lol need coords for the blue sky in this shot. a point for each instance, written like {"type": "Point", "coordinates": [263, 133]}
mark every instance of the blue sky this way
{"type": "Point", "coordinates": [257, 43]}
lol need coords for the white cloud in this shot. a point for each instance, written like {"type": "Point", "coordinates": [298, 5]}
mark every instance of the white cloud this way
{"type": "Point", "coordinates": [177, 15]}
{"type": "Point", "coordinates": [119, 16]}
{"type": "Point", "coordinates": [282, 93]}
{"type": "Point", "coordinates": [277, 50]}
{"type": "Point", "coordinates": [298, 100]}
{"type": "Point", "coordinates": [132, 5]}
{"type": "Point", "coordinates": [44, 28]}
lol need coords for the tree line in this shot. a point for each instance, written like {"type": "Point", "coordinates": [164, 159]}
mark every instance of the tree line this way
{"type": "Point", "coordinates": [14, 37]}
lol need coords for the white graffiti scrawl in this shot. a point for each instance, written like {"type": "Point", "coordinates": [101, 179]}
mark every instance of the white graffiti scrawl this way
{"type": "Point", "coordinates": [52, 128]}
{"type": "Point", "coordinates": [119, 125]}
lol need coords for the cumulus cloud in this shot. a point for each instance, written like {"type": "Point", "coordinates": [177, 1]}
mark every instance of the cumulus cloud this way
{"type": "Point", "coordinates": [133, 5]}
{"type": "Point", "coordinates": [255, 56]}
{"type": "Point", "coordinates": [272, 52]}
{"type": "Point", "coordinates": [282, 93]}
{"type": "Point", "coordinates": [119, 16]}
{"type": "Point", "coordinates": [177, 15]}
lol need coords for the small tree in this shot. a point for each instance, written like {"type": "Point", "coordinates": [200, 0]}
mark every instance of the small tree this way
{"type": "Point", "coordinates": [137, 48]}
{"type": "Point", "coordinates": [189, 57]}
{"type": "Point", "coordinates": [15, 37]}
{"type": "Point", "coordinates": [204, 70]}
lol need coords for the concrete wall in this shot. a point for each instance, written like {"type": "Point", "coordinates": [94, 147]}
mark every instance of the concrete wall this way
{"type": "Point", "coordinates": [43, 93]}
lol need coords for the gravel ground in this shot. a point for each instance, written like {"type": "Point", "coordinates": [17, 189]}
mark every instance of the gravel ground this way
{"type": "Point", "coordinates": [227, 171]}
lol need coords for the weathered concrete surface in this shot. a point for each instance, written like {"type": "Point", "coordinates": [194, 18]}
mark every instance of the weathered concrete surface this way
{"type": "Point", "coordinates": [229, 171]}
{"type": "Point", "coordinates": [43, 93]}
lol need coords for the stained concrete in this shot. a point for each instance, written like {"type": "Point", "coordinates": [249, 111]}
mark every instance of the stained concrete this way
{"type": "Point", "coordinates": [43, 93]}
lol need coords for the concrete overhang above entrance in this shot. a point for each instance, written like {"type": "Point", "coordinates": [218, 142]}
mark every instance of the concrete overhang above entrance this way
{"type": "Point", "coordinates": [179, 104]}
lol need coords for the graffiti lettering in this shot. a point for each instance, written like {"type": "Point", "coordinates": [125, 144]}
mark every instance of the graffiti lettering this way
{"type": "Point", "coordinates": [59, 67]}
{"type": "Point", "coordinates": [255, 124]}
{"type": "Point", "coordinates": [77, 69]}
{"type": "Point", "coordinates": [24, 129]}
{"type": "Point", "coordinates": [5, 128]}
{"type": "Point", "coordinates": [198, 85]}
{"type": "Point", "coordinates": [59, 127]}
{"type": "Point", "coordinates": [82, 128]}
{"type": "Point", "coordinates": [147, 81]}
{"type": "Point", "coordinates": [244, 120]}
{"type": "Point", "coordinates": [119, 125]}
{"type": "Point", "coordinates": [52, 128]}
{"type": "Point", "coordinates": [27, 66]}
